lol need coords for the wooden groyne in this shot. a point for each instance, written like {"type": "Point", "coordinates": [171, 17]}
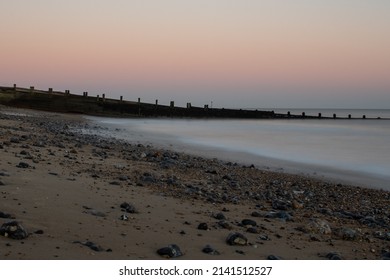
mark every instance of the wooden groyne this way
{"type": "Point", "coordinates": [67, 102]}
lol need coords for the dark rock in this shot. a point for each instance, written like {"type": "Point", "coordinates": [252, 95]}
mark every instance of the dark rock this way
{"type": "Point", "coordinates": [256, 214]}
{"type": "Point", "coordinates": [38, 231]}
{"type": "Point", "coordinates": [209, 250]}
{"type": "Point", "coordinates": [225, 224]}
{"type": "Point", "coordinates": [13, 230]}
{"type": "Point", "coordinates": [1, 183]}
{"type": "Point", "coordinates": [248, 222]}
{"type": "Point", "coordinates": [382, 235]}
{"type": "Point", "coordinates": [274, 258]}
{"type": "Point", "coordinates": [264, 237]}
{"type": "Point", "coordinates": [236, 239]}
{"type": "Point", "coordinates": [4, 174]}
{"type": "Point", "coordinates": [219, 216]}
{"type": "Point", "coordinates": [346, 233]}
{"type": "Point", "coordinates": [128, 207]}
{"type": "Point", "coordinates": [240, 252]}
{"type": "Point", "coordinates": [252, 230]}
{"type": "Point", "coordinates": [279, 215]}
{"type": "Point", "coordinates": [281, 205]}
{"type": "Point", "coordinates": [90, 245]}
{"type": "Point", "coordinates": [15, 140]}
{"type": "Point", "coordinates": [171, 251]}
{"type": "Point", "coordinates": [115, 183]}
{"type": "Point", "coordinates": [5, 215]}
{"type": "Point", "coordinates": [23, 165]}
{"type": "Point", "coordinates": [333, 256]}
{"type": "Point", "coordinates": [123, 178]}
{"type": "Point", "coordinates": [203, 226]}
{"type": "Point", "coordinates": [386, 256]}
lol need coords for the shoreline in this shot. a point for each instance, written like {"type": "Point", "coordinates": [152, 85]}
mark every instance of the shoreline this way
{"type": "Point", "coordinates": [165, 141]}
{"type": "Point", "coordinates": [70, 194]}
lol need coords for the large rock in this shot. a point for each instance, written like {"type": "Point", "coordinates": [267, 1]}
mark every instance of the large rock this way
{"type": "Point", "coordinates": [13, 230]}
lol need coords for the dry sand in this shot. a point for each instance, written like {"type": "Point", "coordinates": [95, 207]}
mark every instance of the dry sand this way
{"type": "Point", "coordinates": [72, 186]}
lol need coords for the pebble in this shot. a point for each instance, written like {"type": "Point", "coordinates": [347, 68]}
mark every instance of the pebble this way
{"type": "Point", "coordinates": [23, 165]}
{"type": "Point", "coordinates": [219, 216]}
{"type": "Point", "coordinates": [210, 250]}
{"type": "Point", "coordinates": [333, 256]}
{"type": "Point", "coordinates": [203, 226]}
{"type": "Point", "coordinates": [129, 208]}
{"type": "Point", "coordinates": [248, 222]}
{"type": "Point", "coordinates": [171, 251]}
{"type": "Point", "coordinates": [236, 239]}
{"type": "Point", "coordinates": [13, 230]}
{"type": "Point", "coordinates": [273, 258]}
{"type": "Point", "coordinates": [90, 245]}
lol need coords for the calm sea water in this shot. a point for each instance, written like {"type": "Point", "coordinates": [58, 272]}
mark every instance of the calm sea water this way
{"type": "Point", "coordinates": [357, 149]}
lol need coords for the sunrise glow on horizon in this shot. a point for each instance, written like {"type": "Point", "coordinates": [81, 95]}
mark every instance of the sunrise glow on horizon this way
{"type": "Point", "coordinates": [243, 53]}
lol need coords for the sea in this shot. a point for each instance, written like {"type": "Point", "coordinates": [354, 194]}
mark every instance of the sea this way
{"type": "Point", "coordinates": [350, 151]}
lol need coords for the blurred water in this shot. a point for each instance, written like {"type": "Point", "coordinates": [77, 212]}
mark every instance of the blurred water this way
{"type": "Point", "coordinates": [360, 146]}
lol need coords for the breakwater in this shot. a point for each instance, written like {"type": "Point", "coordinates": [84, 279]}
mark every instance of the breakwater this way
{"type": "Point", "coordinates": [101, 105]}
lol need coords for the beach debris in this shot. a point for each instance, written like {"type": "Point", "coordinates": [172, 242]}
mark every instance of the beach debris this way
{"type": "Point", "coordinates": [23, 165]}
{"type": "Point", "coordinates": [248, 222]}
{"type": "Point", "coordinates": [236, 239]}
{"type": "Point", "coordinates": [171, 251]}
{"type": "Point", "coordinates": [128, 208]}
{"type": "Point", "coordinates": [203, 226]}
{"type": "Point", "coordinates": [13, 230]}
{"type": "Point", "coordinates": [210, 250]}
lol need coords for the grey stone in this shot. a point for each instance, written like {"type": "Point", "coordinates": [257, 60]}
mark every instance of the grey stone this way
{"type": "Point", "coordinates": [210, 250]}
{"type": "Point", "coordinates": [171, 251]}
{"type": "Point", "coordinates": [203, 226]}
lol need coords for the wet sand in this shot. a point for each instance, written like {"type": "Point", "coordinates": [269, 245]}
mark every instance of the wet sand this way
{"type": "Point", "coordinates": [66, 189]}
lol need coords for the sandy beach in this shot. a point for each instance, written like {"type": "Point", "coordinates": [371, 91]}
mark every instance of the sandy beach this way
{"type": "Point", "coordinates": [76, 196]}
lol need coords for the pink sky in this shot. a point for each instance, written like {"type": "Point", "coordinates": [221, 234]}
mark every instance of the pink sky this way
{"type": "Point", "coordinates": [235, 53]}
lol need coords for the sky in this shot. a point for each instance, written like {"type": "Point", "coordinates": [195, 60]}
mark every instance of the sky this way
{"type": "Point", "coordinates": [233, 53]}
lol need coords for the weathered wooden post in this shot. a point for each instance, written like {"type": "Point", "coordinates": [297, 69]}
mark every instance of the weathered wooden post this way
{"type": "Point", "coordinates": [14, 87]}
{"type": "Point", "coordinates": [31, 90]}
{"type": "Point", "coordinates": [104, 97]}
{"type": "Point", "coordinates": [50, 90]}
{"type": "Point", "coordinates": [364, 116]}
{"type": "Point", "coordinates": [289, 114]}
{"type": "Point", "coordinates": [334, 116]}
{"type": "Point", "coordinates": [156, 102]}
{"type": "Point", "coordinates": [172, 104]}
{"type": "Point", "coordinates": [97, 98]}
{"type": "Point", "coordinates": [319, 115]}
{"type": "Point", "coordinates": [121, 98]}
{"type": "Point", "coordinates": [303, 114]}
{"type": "Point", "coordinates": [349, 116]}
{"type": "Point", "coordinates": [189, 106]}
